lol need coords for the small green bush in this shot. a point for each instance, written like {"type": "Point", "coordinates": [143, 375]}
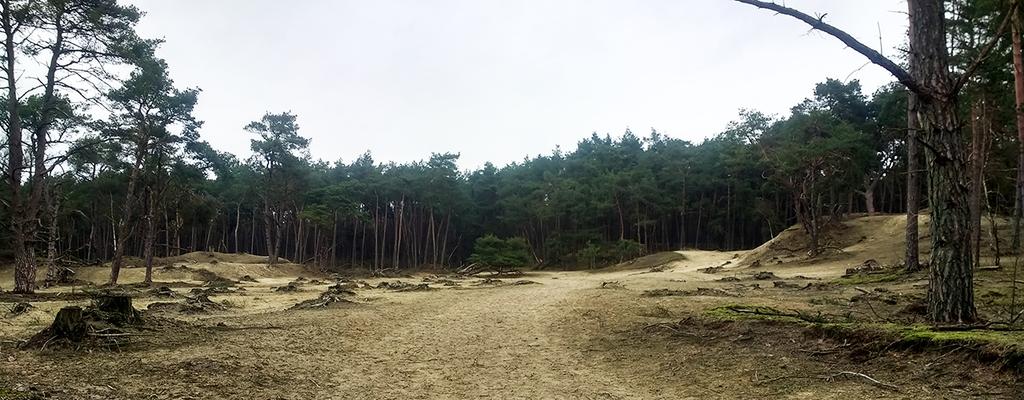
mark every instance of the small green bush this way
{"type": "Point", "coordinates": [501, 254]}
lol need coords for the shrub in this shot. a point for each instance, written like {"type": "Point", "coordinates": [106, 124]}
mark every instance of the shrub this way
{"type": "Point", "coordinates": [501, 254]}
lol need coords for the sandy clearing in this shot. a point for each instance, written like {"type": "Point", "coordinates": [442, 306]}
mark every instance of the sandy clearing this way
{"type": "Point", "coordinates": [563, 338]}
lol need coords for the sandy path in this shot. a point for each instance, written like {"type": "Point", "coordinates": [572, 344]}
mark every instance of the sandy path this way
{"type": "Point", "coordinates": [483, 343]}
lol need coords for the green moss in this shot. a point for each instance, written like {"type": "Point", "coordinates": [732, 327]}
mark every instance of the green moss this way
{"type": "Point", "coordinates": [729, 313]}
{"type": "Point", "coordinates": [829, 301]}
{"type": "Point", "coordinates": [1005, 346]}
{"type": "Point", "coordinates": [923, 334]}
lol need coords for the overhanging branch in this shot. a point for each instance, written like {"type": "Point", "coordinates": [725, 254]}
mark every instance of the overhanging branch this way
{"type": "Point", "coordinates": [874, 56]}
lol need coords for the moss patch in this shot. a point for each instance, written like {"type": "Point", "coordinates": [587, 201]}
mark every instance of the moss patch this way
{"type": "Point", "coordinates": [1002, 348]}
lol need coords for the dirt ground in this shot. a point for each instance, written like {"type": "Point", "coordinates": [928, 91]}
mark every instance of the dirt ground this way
{"type": "Point", "coordinates": [635, 331]}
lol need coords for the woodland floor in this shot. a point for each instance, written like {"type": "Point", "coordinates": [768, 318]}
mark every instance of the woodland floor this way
{"type": "Point", "coordinates": [574, 335]}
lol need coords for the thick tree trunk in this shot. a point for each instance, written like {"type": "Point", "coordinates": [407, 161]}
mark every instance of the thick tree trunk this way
{"type": "Point", "coordinates": [24, 261]}
{"type": "Point", "coordinates": [24, 266]}
{"type": "Point", "coordinates": [951, 279]}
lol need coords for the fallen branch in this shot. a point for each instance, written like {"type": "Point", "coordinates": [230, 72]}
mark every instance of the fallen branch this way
{"type": "Point", "coordinates": [117, 334]}
{"type": "Point", "coordinates": [771, 312]}
{"type": "Point", "coordinates": [832, 377]}
{"type": "Point", "coordinates": [873, 381]}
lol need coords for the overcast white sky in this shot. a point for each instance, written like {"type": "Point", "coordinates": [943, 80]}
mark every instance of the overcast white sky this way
{"type": "Point", "coordinates": [497, 80]}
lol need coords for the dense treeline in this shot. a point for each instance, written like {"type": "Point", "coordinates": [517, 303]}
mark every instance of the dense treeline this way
{"type": "Point", "coordinates": [610, 199]}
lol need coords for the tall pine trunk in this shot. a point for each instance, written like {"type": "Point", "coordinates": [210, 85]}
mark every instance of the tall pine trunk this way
{"type": "Point", "coordinates": [951, 279]}
{"type": "Point", "coordinates": [24, 256]}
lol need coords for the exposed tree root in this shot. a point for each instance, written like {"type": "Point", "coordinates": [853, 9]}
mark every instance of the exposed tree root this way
{"type": "Point", "coordinates": [336, 294]}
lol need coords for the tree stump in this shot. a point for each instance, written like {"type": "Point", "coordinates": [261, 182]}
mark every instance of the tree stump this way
{"type": "Point", "coordinates": [116, 308]}
{"type": "Point", "coordinates": [68, 324]}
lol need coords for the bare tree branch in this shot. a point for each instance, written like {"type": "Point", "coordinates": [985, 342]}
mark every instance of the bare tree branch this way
{"type": "Point", "coordinates": [877, 58]}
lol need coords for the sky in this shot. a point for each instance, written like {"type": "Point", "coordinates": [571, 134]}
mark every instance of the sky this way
{"type": "Point", "coordinates": [501, 80]}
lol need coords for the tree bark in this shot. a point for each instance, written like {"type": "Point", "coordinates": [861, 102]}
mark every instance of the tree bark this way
{"type": "Point", "coordinates": [24, 260]}
{"type": "Point", "coordinates": [951, 279]}
{"type": "Point", "coordinates": [913, 261]}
